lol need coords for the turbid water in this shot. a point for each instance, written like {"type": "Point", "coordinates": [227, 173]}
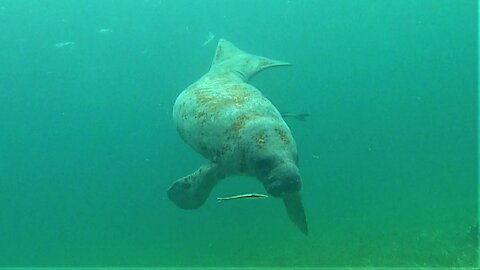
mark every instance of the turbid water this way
{"type": "Point", "coordinates": [387, 154]}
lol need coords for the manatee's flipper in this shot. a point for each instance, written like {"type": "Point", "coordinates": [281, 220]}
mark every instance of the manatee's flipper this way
{"type": "Point", "coordinates": [295, 211]}
{"type": "Point", "coordinates": [191, 191]}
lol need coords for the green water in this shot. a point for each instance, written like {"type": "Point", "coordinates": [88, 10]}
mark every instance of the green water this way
{"type": "Point", "coordinates": [88, 147]}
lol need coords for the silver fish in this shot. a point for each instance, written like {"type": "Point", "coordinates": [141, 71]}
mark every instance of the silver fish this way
{"type": "Point", "coordinates": [244, 196]}
{"type": "Point", "coordinates": [298, 116]}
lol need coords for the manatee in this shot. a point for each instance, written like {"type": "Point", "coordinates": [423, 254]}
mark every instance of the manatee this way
{"type": "Point", "coordinates": [239, 131]}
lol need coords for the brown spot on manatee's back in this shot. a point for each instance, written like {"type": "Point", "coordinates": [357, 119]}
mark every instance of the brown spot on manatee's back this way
{"type": "Point", "coordinates": [214, 100]}
{"type": "Point", "coordinates": [283, 135]}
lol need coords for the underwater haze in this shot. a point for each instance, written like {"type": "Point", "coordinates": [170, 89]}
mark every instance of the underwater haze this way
{"type": "Point", "coordinates": [388, 153]}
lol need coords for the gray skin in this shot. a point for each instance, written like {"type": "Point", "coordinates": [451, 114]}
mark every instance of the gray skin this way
{"type": "Point", "coordinates": [239, 131]}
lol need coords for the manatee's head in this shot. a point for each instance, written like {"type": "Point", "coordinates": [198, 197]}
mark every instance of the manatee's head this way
{"type": "Point", "coordinates": [283, 180]}
{"type": "Point", "coordinates": [279, 177]}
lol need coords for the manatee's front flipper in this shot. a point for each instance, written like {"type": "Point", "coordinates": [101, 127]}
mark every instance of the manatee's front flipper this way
{"type": "Point", "coordinates": [294, 207]}
{"type": "Point", "coordinates": [191, 191]}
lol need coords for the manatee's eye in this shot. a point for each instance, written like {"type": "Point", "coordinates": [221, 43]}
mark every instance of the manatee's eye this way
{"type": "Point", "coordinates": [264, 165]}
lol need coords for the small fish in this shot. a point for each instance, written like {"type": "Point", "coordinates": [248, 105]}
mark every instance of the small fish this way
{"type": "Point", "coordinates": [64, 44]}
{"type": "Point", "coordinates": [105, 30]}
{"type": "Point", "coordinates": [244, 196]}
{"type": "Point", "coordinates": [298, 116]}
{"type": "Point", "coordinates": [209, 38]}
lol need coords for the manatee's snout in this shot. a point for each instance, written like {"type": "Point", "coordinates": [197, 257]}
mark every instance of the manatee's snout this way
{"type": "Point", "coordinates": [283, 180]}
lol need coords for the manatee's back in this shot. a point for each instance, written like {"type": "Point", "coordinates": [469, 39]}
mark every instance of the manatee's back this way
{"type": "Point", "coordinates": [211, 113]}
{"type": "Point", "coordinates": [210, 116]}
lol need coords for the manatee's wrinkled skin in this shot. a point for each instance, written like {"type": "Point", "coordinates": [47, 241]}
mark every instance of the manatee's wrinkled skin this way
{"type": "Point", "coordinates": [239, 131]}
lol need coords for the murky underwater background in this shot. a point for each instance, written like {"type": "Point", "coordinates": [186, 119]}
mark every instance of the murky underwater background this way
{"type": "Point", "coordinates": [88, 148]}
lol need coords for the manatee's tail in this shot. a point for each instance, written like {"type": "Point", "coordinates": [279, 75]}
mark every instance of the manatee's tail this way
{"type": "Point", "coordinates": [296, 212]}
{"type": "Point", "coordinates": [230, 58]}
{"type": "Point", "coordinates": [191, 191]}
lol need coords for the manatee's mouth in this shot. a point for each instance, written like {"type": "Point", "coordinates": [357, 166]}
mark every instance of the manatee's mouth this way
{"type": "Point", "coordinates": [283, 181]}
